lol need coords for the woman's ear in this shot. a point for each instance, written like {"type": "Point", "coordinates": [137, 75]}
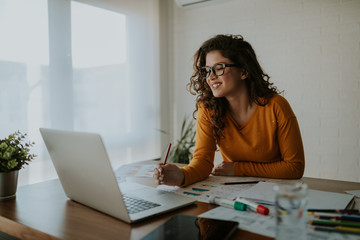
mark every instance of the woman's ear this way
{"type": "Point", "coordinates": [244, 74]}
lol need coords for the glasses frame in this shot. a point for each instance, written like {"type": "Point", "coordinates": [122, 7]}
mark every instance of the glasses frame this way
{"type": "Point", "coordinates": [211, 69]}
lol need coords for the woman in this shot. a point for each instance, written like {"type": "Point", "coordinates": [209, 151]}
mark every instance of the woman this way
{"type": "Point", "coordinates": [240, 112]}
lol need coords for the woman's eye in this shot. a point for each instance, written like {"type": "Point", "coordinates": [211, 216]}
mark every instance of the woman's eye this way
{"type": "Point", "coordinates": [219, 67]}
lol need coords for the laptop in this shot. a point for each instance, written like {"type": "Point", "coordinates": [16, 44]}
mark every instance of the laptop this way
{"type": "Point", "coordinates": [87, 177]}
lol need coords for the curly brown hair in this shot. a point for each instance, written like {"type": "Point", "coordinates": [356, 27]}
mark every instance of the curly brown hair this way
{"type": "Point", "coordinates": [241, 53]}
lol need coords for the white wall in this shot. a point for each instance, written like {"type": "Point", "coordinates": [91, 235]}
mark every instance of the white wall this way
{"type": "Point", "coordinates": [311, 50]}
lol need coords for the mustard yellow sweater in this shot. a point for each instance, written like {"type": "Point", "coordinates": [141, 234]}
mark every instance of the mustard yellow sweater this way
{"type": "Point", "coordinates": [268, 145]}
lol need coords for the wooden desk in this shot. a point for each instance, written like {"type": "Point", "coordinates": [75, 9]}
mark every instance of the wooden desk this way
{"type": "Point", "coordinates": [45, 207]}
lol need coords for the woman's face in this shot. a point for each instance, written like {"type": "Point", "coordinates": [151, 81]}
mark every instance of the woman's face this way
{"type": "Point", "coordinates": [228, 84]}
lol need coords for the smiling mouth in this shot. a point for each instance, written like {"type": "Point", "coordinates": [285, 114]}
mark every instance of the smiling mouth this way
{"type": "Point", "coordinates": [215, 85]}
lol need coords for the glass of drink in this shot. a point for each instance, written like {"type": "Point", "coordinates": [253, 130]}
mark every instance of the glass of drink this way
{"type": "Point", "coordinates": [291, 217]}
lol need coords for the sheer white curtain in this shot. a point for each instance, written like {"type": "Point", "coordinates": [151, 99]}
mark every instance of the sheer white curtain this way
{"type": "Point", "coordinates": [81, 65]}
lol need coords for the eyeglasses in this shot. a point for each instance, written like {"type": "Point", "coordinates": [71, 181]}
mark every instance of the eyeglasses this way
{"type": "Point", "coordinates": [218, 69]}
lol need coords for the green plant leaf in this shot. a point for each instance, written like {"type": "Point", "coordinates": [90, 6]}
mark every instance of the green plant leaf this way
{"type": "Point", "coordinates": [13, 153]}
{"type": "Point", "coordinates": [182, 150]}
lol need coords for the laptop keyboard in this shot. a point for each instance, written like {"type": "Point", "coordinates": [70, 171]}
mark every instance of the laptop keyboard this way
{"type": "Point", "coordinates": [135, 205]}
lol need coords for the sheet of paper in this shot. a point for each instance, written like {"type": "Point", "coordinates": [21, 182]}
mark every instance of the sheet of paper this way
{"type": "Point", "coordinates": [212, 186]}
{"type": "Point", "coordinates": [265, 225]}
{"type": "Point", "coordinates": [264, 191]}
{"type": "Point", "coordinates": [136, 170]}
{"type": "Point", "coordinates": [247, 220]}
{"type": "Point", "coordinates": [328, 200]}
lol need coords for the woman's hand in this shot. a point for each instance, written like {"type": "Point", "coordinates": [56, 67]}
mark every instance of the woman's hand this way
{"type": "Point", "coordinates": [224, 169]}
{"type": "Point", "coordinates": [169, 174]}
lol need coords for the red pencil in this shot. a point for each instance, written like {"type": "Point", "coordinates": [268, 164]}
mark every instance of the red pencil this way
{"type": "Point", "coordinates": [167, 153]}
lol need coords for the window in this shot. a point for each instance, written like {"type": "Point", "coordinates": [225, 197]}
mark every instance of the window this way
{"type": "Point", "coordinates": [74, 66]}
{"type": "Point", "coordinates": [100, 68]}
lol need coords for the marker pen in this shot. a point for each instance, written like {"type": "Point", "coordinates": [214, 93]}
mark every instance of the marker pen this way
{"type": "Point", "coordinates": [227, 203]}
{"type": "Point", "coordinates": [234, 183]}
{"type": "Point", "coordinates": [254, 206]}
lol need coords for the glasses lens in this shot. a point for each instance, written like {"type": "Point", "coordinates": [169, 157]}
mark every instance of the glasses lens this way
{"type": "Point", "coordinates": [204, 72]}
{"type": "Point", "coordinates": [219, 69]}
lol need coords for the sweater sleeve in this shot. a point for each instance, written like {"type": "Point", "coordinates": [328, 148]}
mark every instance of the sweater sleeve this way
{"type": "Point", "coordinates": [205, 146]}
{"type": "Point", "coordinates": [291, 161]}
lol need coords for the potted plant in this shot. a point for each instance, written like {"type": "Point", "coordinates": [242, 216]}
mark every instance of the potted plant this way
{"type": "Point", "coordinates": [182, 150]}
{"type": "Point", "coordinates": [14, 154]}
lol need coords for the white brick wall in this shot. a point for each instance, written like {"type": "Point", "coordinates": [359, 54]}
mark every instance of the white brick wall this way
{"type": "Point", "coordinates": [311, 50]}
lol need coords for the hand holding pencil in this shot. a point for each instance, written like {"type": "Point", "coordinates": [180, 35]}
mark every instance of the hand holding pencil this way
{"type": "Point", "coordinates": [167, 173]}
